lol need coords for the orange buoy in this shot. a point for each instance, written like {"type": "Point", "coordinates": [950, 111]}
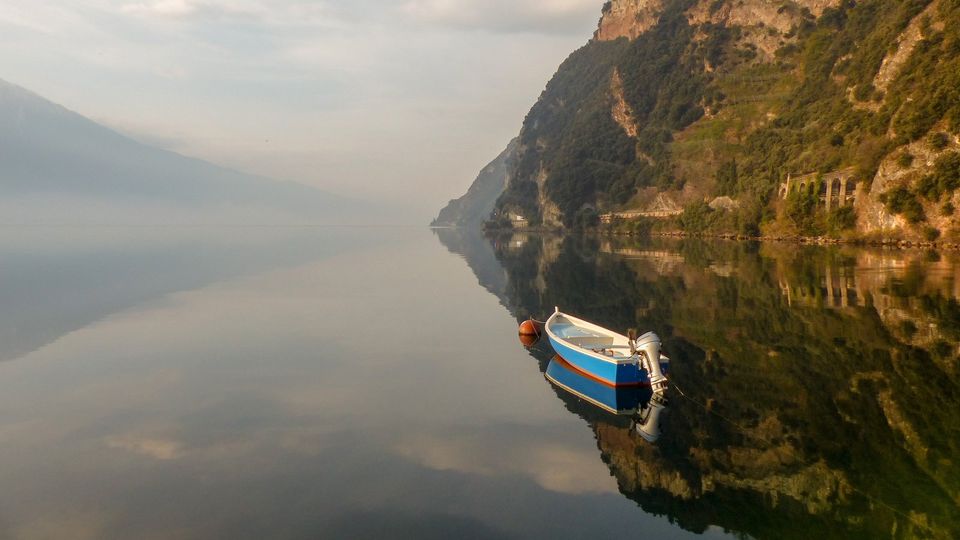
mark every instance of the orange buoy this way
{"type": "Point", "coordinates": [528, 341]}
{"type": "Point", "coordinates": [530, 327]}
{"type": "Point", "coordinates": [530, 332]}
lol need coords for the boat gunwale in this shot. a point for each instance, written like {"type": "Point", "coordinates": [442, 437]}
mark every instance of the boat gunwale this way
{"type": "Point", "coordinates": [589, 326]}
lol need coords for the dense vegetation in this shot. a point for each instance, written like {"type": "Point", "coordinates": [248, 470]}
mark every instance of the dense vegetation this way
{"type": "Point", "coordinates": [713, 113]}
{"type": "Point", "coordinates": [570, 130]}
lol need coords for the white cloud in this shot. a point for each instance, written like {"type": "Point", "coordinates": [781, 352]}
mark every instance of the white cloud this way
{"type": "Point", "coordinates": [165, 8]}
{"type": "Point", "coordinates": [276, 12]}
{"type": "Point", "coordinates": [546, 16]}
{"type": "Point", "coordinates": [205, 9]}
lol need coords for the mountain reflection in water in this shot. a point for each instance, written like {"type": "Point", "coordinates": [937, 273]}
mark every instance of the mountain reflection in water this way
{"type": "Point", "coordinates": [820, 384]}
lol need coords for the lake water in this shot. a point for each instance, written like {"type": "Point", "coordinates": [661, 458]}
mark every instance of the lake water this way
{"type": "Point", "coordinates": [369, 383]}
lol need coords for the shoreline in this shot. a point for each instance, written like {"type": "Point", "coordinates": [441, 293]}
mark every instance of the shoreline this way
{"type": "Point", "coordinates": [810, 240]}
{"type": "Point", "coordinates": [800, 240]}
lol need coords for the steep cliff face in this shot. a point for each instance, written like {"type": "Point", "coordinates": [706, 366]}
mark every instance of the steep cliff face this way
{"type": "Point", "coordinates": [627, 18]}
{"type": "Point", "coordinates": [474, 207]}
{"type": "Point", "coordinates": [926, 176]}
{"type": "Point", "coordinates": [699, 99]}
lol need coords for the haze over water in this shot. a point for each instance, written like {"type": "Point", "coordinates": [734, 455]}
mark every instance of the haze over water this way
{"type": "Point", "coordinates": [286, 382]}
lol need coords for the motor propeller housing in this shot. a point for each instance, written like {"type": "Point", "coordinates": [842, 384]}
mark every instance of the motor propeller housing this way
{"type": "Point", "coordinates": [648, 345]}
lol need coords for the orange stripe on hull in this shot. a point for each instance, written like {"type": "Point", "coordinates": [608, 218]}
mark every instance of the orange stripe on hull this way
{"type": "Point", "coordinates": [559, 360]}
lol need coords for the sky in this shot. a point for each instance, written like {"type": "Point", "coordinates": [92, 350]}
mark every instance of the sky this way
{"type": "Point", "coordinates": [395, 101]}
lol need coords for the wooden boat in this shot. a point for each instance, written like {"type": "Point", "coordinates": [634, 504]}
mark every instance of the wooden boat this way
{"type": "Point", "coordinates": [643, 407]}
{"type": "Point", "coordinates": [611, 358]}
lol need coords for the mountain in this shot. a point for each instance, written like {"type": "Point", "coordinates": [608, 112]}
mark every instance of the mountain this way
{"type": "Point", "coordinates": [475, 206]}
{"type": "Point", "coordinates": [47, 151]}
{"type": "Point", "coordinates": [796, 117]}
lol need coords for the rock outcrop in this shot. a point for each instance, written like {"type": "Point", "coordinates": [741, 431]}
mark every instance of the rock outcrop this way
{"type": "Point", "coordinates": [906, 44]}
{"type": "Point", "coordinates": [622, 113]}
{"type": "Point", "coordinates": [627, 18]}
{"type": "Point", "coordinates": [874, 216]}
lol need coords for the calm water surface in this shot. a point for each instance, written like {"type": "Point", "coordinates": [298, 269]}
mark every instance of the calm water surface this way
{"type": "Point", "coordinates": [359, 383]}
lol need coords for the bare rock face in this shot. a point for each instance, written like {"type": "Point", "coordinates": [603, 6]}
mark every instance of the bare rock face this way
{"type": "Point", "coordinates": [631, 18]}
{"type": "Point", "coordinates": [622, 112]}
{"type": "Point", "coordinates": [724, 203]}
{"type": "Point", "coordinates": [816, 7]}
{"type": "Point", "coordinates": [551, 214]}
{"type": "Point", "coordinates": [627, 18]}
{"type": "Point", "coordinates": [763, 23]}
{"type": "Point", "coordinates": [872, 216]}
{"type": "Point", "coordinates": [875, 218]}
{"type": "Point", "coordinates": [906, 43]}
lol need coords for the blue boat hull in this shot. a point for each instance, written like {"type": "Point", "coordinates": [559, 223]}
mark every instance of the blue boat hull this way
{"type": "Point", "coordinates": [609, 372]}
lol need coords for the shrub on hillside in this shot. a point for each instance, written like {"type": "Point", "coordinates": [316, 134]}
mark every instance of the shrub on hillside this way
{"type": "Point", "coordinates": [905, 160]}
{"type": "Point", "coordinates": [841, 219]}
{"type": "Point", "coordinates": [697, 217]}
{"type": "Point", "coordinates": [902, 201]}
{"type": "Point", "coordinates": [801, 208]}
{"type": "Point", "coordinates": [939, 140]}
{"type": "Point", "coordinates": [944, 179]}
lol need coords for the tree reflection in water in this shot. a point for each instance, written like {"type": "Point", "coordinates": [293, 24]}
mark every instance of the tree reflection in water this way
{"type": "Point", "coordinates": [820, 384]}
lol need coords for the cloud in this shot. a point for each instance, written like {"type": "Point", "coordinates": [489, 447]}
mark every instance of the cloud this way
{"type": "Point", "coordinates": [536, 16]}
{"type": "Point", "coordinates": [159, 449]}
{"type": "Point", "coordinates": [164, 8]}
{"type": "Point", "coordinates": [268, 13]}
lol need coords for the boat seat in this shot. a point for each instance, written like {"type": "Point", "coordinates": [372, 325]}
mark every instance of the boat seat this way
{"type": "Point", "coordinates": [590, 342]}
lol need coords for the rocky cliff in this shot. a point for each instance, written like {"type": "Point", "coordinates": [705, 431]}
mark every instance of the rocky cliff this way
{"type": "Point", "coordinates": [627, 18]}
{"type": "Point", "coordinates": [699, 99]}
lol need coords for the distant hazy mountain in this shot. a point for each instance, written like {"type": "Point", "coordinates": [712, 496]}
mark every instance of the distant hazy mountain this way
{"type": "Point", "coordinates": [476, 205]}
{"type": "Point", "coordinates": [47, 150]}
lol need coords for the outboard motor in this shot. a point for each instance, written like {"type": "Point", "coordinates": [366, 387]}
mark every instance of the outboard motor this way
{"type": "Point", "coordinates": [648, 345]}
{"type": "Point", "coordinates": [648, 422]}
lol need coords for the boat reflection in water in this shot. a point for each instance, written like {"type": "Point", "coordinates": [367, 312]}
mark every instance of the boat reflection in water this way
{"type": "Point", "coordinates": [641, 404]}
